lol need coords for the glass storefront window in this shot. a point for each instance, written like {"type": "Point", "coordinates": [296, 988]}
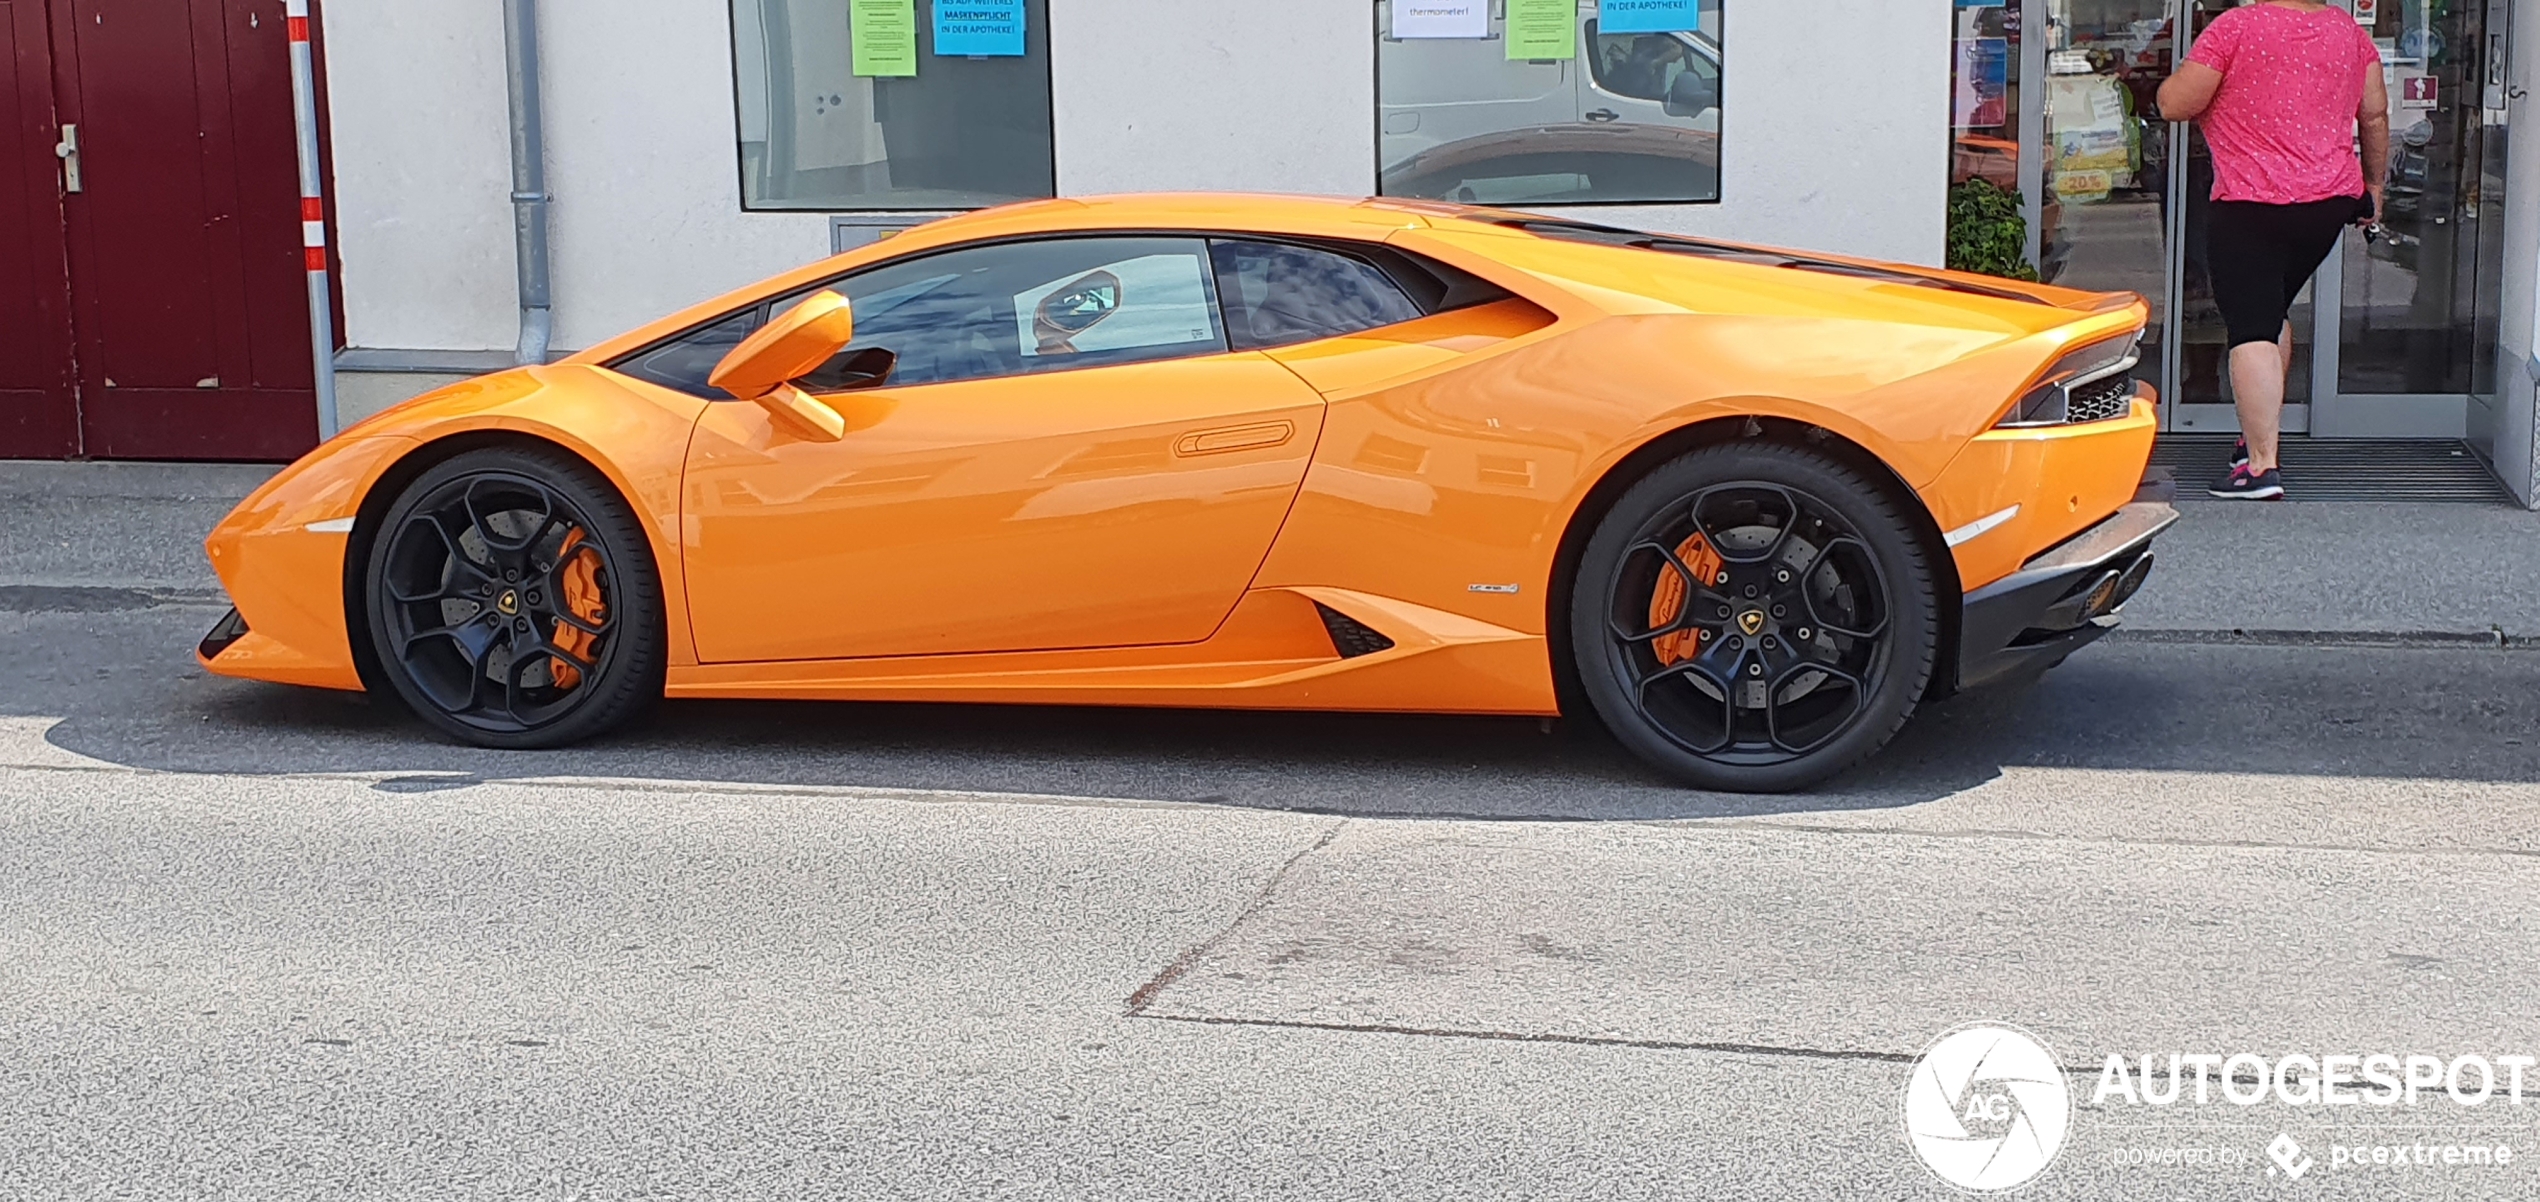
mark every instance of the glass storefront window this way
{"type": "Point", "coordinates": [1984, 85]}
{"type": "Point", "coordinates": [1543, 102]}
{"type": "Point", "coordinates": [946, 105]}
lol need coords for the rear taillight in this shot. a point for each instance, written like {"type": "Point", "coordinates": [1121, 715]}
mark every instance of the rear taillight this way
{"type": "Point", "coordinates": [2050, 402]}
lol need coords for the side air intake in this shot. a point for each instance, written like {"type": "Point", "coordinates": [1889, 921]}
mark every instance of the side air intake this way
{"type": "Point", "coordinates": [1351, 637]}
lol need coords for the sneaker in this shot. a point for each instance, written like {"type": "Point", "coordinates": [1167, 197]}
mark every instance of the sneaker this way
{"type": "Point", "coordinates": [2245, 485]}
{"type": "Point", "coordinates": [2240, 453]}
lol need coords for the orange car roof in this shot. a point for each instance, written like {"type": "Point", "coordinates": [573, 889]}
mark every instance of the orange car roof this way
{"type": "Point", "coordinates": [1304, 216]}
{"type": "Point", "coordinates": [1325, 216]}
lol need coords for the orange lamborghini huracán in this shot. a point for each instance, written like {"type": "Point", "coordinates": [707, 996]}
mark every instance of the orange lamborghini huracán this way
{"type": "Point", "coordinates": [1746, 506]}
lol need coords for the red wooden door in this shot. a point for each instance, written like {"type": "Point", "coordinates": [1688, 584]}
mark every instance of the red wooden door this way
{"type": "Point", "coordinates": [190, 309]}
{"type": "Point", "coordinates": [38, 416]}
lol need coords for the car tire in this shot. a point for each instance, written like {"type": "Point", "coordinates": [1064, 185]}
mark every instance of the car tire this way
{"type": "Point", "coordinates": [1805, 650]}
{"type": "Point", "coordinates": [513, 601]}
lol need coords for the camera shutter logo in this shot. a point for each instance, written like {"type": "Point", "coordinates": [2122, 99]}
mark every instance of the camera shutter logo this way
{"type": "Point", "coordinates": [1987, 1107]}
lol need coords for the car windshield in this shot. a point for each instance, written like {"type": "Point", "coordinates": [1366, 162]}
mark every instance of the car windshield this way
{"type": "Point", "coordinates": [1607, 235]}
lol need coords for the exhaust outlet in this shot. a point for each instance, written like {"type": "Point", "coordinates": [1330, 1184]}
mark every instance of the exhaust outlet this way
{"type": "Point", "coordinates": [2132, 581]}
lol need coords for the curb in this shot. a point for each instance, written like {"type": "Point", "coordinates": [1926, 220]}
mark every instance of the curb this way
{"type": "Point", "coordinates": [84, 598]}
{"type": "Point", "coordinates": [2493, 638]}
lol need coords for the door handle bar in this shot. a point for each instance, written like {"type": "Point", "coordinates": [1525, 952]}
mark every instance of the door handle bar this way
{"type": "Point", "coordinates": [67, 150]}
{"type": "Point", "coordinates": [1234, 438]}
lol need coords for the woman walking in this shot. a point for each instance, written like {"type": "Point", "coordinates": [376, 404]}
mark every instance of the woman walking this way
{"type": "Point", "coordinates": [2283, 89]}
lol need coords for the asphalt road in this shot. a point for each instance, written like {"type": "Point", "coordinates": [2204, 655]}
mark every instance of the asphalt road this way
{"type": "Point", "coordinates": [263, 943]}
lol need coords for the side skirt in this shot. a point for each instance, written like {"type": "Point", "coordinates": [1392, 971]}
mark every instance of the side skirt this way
{"type": "Point", "coordinates": [1276, 651]}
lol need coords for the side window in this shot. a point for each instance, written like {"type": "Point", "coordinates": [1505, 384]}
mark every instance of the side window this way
{"type": "Point", "coordinates": [1277, 293]}
{"type": "Point", "coordinates": [999, 310]}
{"type": "Point", "coordinates": [683, 362]}
{"type": "Point", "coordinates": [1020, 307]}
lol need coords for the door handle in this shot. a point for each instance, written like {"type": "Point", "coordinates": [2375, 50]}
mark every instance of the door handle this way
{"type": "Point", "coordinates": [67, 150]}
{"type": "Point", "coordinates": [1234, 438]}
{"type": "Point", "coordinates": [1603, 115]}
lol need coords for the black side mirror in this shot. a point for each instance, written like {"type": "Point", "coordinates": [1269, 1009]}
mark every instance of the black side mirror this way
{"type": "Point", "coordinates": [1691, 93]}
{"type": "Point", "coordinates": [867, 368]}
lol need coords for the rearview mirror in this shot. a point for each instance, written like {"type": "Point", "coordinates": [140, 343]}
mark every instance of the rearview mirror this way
{"type": "Point", "coordinates": [1074, 309]}
{"type": "Point", "coordinates": [766, 364]}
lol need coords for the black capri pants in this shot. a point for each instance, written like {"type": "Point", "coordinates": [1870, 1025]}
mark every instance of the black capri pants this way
{"type": "Point", "coordinates": [2262, 254]}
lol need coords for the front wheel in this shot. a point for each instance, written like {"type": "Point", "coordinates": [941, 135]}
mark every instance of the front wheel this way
{"type": "Point", "coordinates": [1753, 617]}
{"type": "Point", "coordinates": [513, 601]}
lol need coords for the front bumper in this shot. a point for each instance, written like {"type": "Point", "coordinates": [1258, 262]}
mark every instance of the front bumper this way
{"type": "Point", "coordinates": [281, 557]}
{"type": "Point", "coordinates": [2060, 601]}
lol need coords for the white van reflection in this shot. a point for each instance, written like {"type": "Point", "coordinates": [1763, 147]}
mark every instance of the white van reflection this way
{"type": "Point", "coordinates": [1635, 117]}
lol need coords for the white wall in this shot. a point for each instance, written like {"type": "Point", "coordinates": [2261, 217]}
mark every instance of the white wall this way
{"type": "Point", "coordinates": [643, 156]}
{"type": "Point", "coordinates": [642, 160]}
{"type": "Point", "coordinates": [1834, 135]}
{"type": "Point", "coordinates": [422, 173]}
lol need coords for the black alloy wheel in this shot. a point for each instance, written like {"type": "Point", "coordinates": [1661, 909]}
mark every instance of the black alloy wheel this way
{"type": "Point", "coordinates": [513, 601]}
{"type": "Point", "coordinates": [1753, 617]}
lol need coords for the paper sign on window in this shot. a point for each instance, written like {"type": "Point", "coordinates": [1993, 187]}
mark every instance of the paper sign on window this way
{"type": "Point", "coordinates": [1648, 16]}
{"type": "Point", "coordinates": [1441, 18]}
{"type": "Point", "coordinates": [978, 28]}
{"type": "Point", "coordinates": [884, 36]}
{"type": "Point", "coordinates": [1543, 29]}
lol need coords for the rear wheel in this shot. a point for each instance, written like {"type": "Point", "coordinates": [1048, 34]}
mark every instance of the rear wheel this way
{"type": "Point", "coordinates": [1753, 617]}
{"type": "Point", "coordinates": [513, 601]}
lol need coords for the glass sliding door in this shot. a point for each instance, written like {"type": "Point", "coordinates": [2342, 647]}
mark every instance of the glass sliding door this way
{"type": "Point", "coordinates": [2413, 330]}
{"type": "Point", "coordinates": [2108, 204]}
{"type": "Point", "coordinates": [2495, 87]}
{"type": "Point", "coordinates": [2200, 396]}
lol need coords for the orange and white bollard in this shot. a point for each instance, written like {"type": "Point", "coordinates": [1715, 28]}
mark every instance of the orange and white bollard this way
{"type": "Point", "coordinates": [312, 214]}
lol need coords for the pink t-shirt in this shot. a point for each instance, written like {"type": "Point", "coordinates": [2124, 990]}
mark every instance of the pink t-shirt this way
{"type": "Point", "coordinates": [2283, 126]}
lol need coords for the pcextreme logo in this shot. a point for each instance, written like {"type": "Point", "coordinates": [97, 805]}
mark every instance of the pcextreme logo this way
{"type": "Point", "coordinates": [1987, 1107]}
{"type": "Point", "coordinates": [2288, 1157]}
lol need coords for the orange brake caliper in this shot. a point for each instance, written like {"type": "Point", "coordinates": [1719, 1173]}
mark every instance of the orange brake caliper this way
{"type": "Point", "coordinates": [582, 597]}
{"type": "Point", "coordinates": [1668, 599]}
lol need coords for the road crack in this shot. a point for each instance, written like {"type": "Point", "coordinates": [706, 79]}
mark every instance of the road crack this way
{"type": "Point", "coordinates": [1145, 995]}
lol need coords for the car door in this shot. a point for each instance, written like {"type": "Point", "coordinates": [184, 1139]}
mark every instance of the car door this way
{"type": "Point", "coordinates": [1065, 454]}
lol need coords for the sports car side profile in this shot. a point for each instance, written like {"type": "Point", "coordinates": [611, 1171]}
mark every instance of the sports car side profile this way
{"type": "Point", "coordinates": [1747, 507]}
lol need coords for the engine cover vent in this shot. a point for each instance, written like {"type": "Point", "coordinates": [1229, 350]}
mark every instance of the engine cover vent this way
{"type": "Point", "coordinates": [1351, 637]}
